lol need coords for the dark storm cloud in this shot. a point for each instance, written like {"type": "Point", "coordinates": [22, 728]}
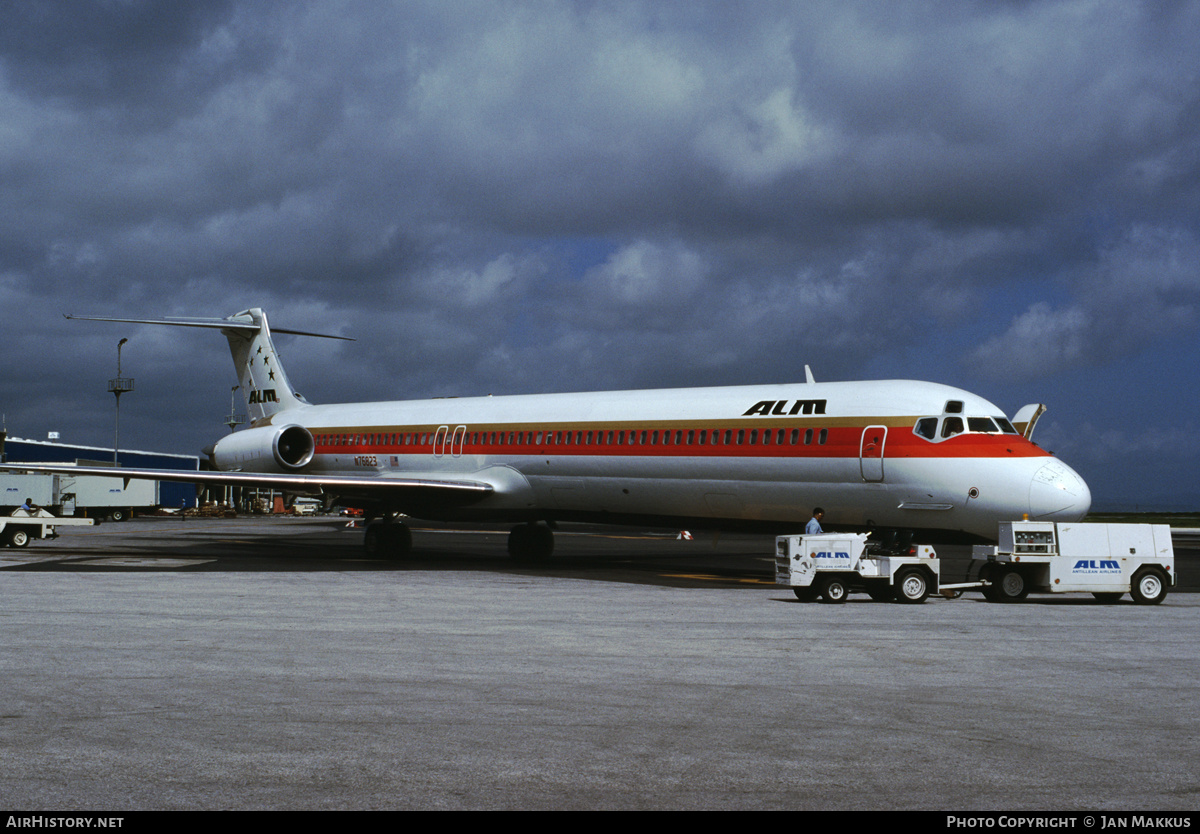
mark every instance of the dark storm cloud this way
{"type": "Point", "coordinates": [519, 197]}
{"type": "Point", "coordinates": [1145, 286]}
{"type": "Point", "coordinates": [136, 53]}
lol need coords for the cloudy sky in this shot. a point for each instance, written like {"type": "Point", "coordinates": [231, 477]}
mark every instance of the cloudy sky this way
{"type": "Point", "coordinates": [521, 197]}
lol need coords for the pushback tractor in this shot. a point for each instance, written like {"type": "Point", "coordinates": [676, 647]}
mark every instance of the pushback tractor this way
{"type": "Point", "coordinates": [832, 566]}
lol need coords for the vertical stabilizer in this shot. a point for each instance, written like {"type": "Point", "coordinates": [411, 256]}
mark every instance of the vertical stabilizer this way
{"type": "Point", "coordinates": [264, 383]}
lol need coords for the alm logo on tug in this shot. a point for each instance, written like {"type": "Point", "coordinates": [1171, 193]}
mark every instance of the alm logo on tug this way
{"type": "Point", "coordinates": [1096, 566]}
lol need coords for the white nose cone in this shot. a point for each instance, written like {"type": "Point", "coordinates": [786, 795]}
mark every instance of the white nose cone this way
{"type": "Point", "coordinates": [1057, 493]}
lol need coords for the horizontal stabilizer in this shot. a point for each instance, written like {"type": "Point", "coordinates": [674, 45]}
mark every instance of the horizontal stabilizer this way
{"type": "Point", "coordinates": [264, 383]}
{"type": "Point", "coordinates": [216, 323]}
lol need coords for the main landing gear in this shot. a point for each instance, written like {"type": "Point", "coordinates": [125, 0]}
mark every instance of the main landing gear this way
{"type": "Point", "coordinates": [388, 539]}
{"type": "Point", "coordinates": [531, 542]}
{"type": "Point", "coordinates": [392, 539]}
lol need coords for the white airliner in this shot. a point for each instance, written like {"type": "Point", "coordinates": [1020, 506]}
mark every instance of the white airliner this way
{"type": "Point", "coordinates": [888, 455]}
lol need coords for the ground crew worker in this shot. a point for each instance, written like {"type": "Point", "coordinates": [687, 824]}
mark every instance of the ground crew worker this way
{"type": "Point", "coordinates": [813, 527]}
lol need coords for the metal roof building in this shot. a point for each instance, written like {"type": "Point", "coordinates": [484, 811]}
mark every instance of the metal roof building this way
{"type": "Point", "coordinates": [19, 450]}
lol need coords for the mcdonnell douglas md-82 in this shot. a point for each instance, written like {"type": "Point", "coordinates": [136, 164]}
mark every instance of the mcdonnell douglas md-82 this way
{"type": "Point", "coordinates": [886, 455]}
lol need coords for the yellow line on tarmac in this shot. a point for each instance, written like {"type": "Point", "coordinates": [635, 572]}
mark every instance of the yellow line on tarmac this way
{"type": "Point", "coordinates": [714, 579]}
{"type": "Point", "coordinates": [647, 536]}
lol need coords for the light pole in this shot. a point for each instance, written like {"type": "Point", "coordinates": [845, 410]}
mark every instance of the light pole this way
{"type": "Point", "coordinates": [118, 387]}
{"type": "Point", "coordinates": [233, 420]}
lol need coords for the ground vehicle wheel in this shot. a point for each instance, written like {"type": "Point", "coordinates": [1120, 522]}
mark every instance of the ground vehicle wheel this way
{"type": "Point", "coordinates": [1010, 585]}
{"type": "Point", "coordinates": [912, 586]}
{"type": "Point", "coordinates": [834, 590]}
{"type": "Point", "coordinates": [1149, 587]}
{"type": "Point", "coordinates": [988, 574]}
{"type": "Point", "coordinates": [119, 514]}
{"type": "Point", "coordinates": [1107, 598]}
{"type": "Point", "coordinates": [17, 537]}
{"type": "Point", "coordinates": [880, 591]}
{"type": "Point", "coordinates": [805, 594]}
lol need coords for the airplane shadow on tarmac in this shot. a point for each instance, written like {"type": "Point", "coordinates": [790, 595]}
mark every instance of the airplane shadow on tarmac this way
{"type": "Point", "coordinates": [261, 545]}
{"type": "Point", "coordinates": [593, 552]}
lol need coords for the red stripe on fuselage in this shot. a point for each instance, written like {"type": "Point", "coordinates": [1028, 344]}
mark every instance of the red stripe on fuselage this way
{"type": "Point", "coordinates": [841, 442]}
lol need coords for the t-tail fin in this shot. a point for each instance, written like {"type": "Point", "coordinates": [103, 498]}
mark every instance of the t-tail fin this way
{"type": "Point", "coordinates": [263, 381]}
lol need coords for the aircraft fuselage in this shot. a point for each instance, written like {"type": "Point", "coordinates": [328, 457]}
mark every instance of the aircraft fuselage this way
{"type": "Point", "coordinates": [889, 454]}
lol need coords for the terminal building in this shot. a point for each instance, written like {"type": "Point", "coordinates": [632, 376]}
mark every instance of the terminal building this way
{"type": "Point", "coordinates": [16, 450]}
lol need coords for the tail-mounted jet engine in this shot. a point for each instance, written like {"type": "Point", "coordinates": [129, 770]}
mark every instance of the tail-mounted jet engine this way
{"type": "Point", "coordinates": [265, 449]}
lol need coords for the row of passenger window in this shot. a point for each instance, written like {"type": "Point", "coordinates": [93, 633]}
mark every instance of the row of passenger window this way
{"type": "Point", "coordinates": [927, 427]}
{"type": "Point", "coordinates": [645, 437]}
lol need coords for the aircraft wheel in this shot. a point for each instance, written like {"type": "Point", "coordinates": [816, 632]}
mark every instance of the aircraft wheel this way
{"type": "Point", "coordinates": [805, 594]}
{"type": "Point", "coordinates": [518, 541]}
{"type": "Point", "coordinates": [373, 540]}
{"type": "Point", "coordinates": [387, 541]}
{"type": "Point", "coordinates": [834, 590]}
{"type": "Point", "coordinates": [531, 543]}
{"type": "Point", "coordinates": [1107, 598]}
{"type": "Point", "coordinates": [1010, 585]}
{"type": "Point", "coordinates": [17, 537]}
{"type": "Point", "coordinates": [399, 540]}
{"type": "Point", "coordinates": [912, 586]}
{"type": "Point", "coordinates": [1149, 587]}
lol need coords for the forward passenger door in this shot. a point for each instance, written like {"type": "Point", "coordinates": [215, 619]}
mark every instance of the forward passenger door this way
{"type": "Point", "coordinates": [870, 452]}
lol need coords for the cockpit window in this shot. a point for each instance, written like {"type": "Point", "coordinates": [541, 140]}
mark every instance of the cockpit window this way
{"type": "Point", "coordinates": [927, 427]}
{"type": "Point", "coordinates": [954, 407]}
{"type": "Point", "coordinates": [951, 426]}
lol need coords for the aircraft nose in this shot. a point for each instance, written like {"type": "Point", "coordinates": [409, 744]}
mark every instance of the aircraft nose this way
{"type": "Point", "coordinates": [1057, 493]}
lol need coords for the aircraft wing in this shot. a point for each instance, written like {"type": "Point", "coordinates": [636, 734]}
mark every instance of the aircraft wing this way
{"type": "Point", "coordinates": [423, 489]}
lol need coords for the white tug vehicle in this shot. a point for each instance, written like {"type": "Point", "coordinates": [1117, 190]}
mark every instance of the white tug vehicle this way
{"type": "Point", "coordinates": [18, 529]}
{"type": "Point", "coordinates": [832, 565]}
{"type": "Point", "coordinates": [1105, 560]}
